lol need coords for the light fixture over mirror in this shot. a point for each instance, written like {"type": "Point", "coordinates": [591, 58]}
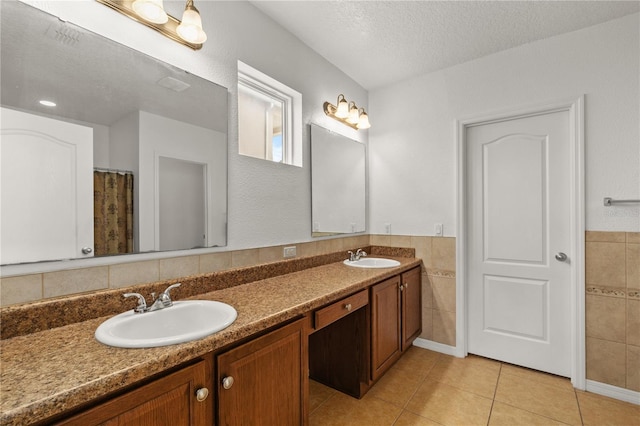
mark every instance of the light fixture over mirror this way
{"type": "Point", "coordinates": [347, 113]}
{"type": "Point", "coordinates": [152, 14]}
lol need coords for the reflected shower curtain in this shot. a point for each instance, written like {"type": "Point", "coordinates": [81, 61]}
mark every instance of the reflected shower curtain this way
{"type": "Point", "coordinates": [113, 212]}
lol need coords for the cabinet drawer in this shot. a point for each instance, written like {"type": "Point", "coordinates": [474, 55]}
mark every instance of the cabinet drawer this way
{"type": "Point", "coordinates": [325, 316]}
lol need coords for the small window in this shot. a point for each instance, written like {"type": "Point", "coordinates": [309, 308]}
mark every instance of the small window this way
{"type": "Point", "coordinates": [269, 118]}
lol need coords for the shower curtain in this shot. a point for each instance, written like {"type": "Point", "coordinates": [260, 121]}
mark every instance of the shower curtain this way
{"type": "Point", "coordinates": [113, 212]}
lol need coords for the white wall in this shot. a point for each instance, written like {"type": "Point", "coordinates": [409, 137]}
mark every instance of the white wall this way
{"type": "Point", "coordinates": [413, 147]}
{"type": "Point", "coordinates": [269, 204]}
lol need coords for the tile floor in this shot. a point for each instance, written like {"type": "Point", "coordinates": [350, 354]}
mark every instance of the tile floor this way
{"type": "Point", "coordinates": [427, 388]}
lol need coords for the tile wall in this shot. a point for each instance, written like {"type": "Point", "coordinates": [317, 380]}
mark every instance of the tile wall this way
{"type": "Point", "coordinates": [438, 255]}
{"type": "Point", "coordinates": [613, 308]}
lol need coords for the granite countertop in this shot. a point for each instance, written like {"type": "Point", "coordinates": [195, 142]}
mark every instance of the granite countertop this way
{"type": "Point", "coordinates": [48, 372]}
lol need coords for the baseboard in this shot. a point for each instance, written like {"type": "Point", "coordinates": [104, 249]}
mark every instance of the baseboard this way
{"type": "Point", "coordinates": [615, 392]}
{"type": "Point", "coordinates": [435, 346]}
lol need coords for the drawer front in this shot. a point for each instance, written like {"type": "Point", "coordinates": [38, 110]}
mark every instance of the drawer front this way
{"type": "Point", "coordinates": [339, 309]}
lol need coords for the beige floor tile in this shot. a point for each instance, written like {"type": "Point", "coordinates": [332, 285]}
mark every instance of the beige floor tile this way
{"type": "Point", "coordinates": [448, 405]}
{"type": "Point", "coordinates": [600, 410]}
{"type": "Point", "coordinates": [418, 361]}
{"type": "Point", "coordinates": [341, 410]}
{"type": "Point", "coordinates": [397, 386]}
{"type": "Point", "coordinates": [472, 374]}
{"type": "Point", "coordinates": [537, 376]}
{"type": "Point", "coordinates": [410, 419]}
{"type": "Point", "coordinates": [506, 415]}
{"type": "Point", "coordinates": [318, 393]}
{"type": "Point", "coordinates": [539, 398]}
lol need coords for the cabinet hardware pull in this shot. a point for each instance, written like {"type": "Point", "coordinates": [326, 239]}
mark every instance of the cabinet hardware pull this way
{"type": "Point", "coordinates": [401, 287]}
{"type": "Point", "coordinates": [227, 382]}
{"type": "Point", "coordinates": [202, 394]}
{"type": "Point", "coordinates": [348, 307]}
{"type": "Point", "coordinates": [406, 285]}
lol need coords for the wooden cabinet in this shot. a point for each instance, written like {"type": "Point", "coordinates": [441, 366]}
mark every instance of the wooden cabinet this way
{"type": "Point", "coordinates": [385, 325]}
{"type": "Point", "coordinates": [263, 382]}
{"type": "Point", "coordinates": [411, 291]}
{"type": "Point", "coordinates": [177, 399]}
{"type": "Point", "coordinates": [396, 319]}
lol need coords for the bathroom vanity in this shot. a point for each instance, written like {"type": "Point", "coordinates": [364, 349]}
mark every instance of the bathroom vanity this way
{"type": "Point", "coordinates": [342, 326]}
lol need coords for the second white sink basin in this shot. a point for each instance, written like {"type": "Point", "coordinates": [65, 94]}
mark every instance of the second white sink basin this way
{"type": "Point", "coordinates": [183, 322]}
{"type": "Point", "coordinates": [372, 262]}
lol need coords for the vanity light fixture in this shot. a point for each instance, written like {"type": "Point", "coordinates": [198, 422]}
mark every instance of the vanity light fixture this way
{"type": "Point", "coordinates": [151, 13]}
{"type": "Point", "coordinates": [347, 113]}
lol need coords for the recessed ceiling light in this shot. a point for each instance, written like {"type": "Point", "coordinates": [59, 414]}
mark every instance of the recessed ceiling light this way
{"type": "Point", "coordinates": [47, 103]}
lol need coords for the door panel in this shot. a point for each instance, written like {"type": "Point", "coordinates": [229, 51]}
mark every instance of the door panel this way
{"type": "Point", "coordinates": [515, 208]}
{"type": "Point", "coordinates": [517, 307]}
{"type": "Point", "coordinates": [518, 217]}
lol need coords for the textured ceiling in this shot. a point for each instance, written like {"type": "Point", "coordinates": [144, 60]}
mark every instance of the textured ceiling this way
{"type": "Point", "coordinates": [381, 42]}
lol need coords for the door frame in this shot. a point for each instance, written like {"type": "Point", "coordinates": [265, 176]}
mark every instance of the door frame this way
{"type": "Point", "coordinates": [575, 108]}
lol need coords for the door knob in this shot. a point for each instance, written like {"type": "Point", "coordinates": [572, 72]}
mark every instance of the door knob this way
{"type": "Point", "coordinates": [86, 250]}
{"type": "Point", "coordinates": [227, 382]}
{"type": "Point", "coordinates": [561, 257]}
{"type": "Point", "coordinates": [202, 394]}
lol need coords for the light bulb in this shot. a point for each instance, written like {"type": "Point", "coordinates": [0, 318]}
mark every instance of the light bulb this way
{"type": "Point", "coordinates": [342, 111]}
{"type": "Point", "coordinates": [190, 29]}
{"type": "Point", "coordinates": [151, 10]}
{"type": "Point", "coordinates": [354, 115]}
{"type": "Point", "coordinates": [363, 123]}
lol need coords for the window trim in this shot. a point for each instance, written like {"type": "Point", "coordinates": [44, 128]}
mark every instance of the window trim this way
{"type": "Point", "coordinates": [253, 79]}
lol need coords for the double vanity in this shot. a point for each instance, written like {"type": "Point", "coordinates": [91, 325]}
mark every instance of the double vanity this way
{"type": "Point", "coordinates": [309, 317]}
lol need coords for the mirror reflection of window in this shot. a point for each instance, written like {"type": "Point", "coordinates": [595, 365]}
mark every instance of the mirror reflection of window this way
{"type": "Point", "coordinates": [269, 127]}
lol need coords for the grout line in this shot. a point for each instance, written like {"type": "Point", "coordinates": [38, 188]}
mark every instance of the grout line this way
{"type": "Point", "coordinates": [495, 391]}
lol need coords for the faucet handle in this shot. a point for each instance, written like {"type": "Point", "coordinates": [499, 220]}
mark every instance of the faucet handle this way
{"type": "Point", "coordinates": [165, 298]}
{"type": "Point", "coordinates": [171, 287]}
{"type": "Point", "coordinates": [142, 303]}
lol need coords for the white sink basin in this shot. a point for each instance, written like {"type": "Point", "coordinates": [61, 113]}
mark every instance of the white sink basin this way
{"type": "Point", "coordinates": [372, 262]}
{"type": "Point", "coordinates": [184, 321]}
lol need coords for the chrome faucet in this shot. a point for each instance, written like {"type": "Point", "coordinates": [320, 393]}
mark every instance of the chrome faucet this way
{"type": "Point", "coordinates": [357, 255]}
{"type": "Point", "coordinates": [163, 301]}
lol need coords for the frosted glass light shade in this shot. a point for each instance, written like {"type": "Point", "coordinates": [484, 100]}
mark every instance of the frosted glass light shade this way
{"type": "Point", "coordinates": [363, 123]}
{"type": "Point", "coordinates": [151, 10]}
{"type": "Point", "coordinates": [354, 115]}
{"type": "Point", "coordinates": [342, 111]}
{"type": "Point", "coordinates": [190, 29]}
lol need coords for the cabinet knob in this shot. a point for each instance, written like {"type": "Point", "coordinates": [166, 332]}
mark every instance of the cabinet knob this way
{"type": "Point", "coordinates": [406, 285]}
{"type": "Point", "coordinates": [202, 394]}
{"type": "Point", "coordinates": [227, 382]}
{"type": "Point", "coordinates": [401, 287]}
{"type": "Point", "coordinates": [348, 307]}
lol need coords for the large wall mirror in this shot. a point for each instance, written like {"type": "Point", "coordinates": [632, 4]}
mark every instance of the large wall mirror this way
{"type": "Point", "coordinates": [338, 183]}
{"type": "Point", "coordinates": [132, 158]}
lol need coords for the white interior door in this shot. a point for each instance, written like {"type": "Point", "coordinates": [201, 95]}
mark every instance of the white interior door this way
{"type": "Point", "coordinates": [519, 241]}
{"type": "Point", "coordinates": [47, 188]}
{"type": "Point", "coordinates": [182, 222]}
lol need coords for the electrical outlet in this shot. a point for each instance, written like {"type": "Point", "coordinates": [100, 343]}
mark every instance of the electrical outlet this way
{"type": "Point", "coordinates": [438, 229]}
{"type": "Point", "coordinates": [289, 251]}
{"type": "Point", "coordinates": [387, 228]}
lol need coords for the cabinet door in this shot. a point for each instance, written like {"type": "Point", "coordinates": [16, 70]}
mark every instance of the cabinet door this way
{"type": "Point", "coordinates": [261, 382]}
{"type": "Point", "coordinates": [169, 401]}
{"type": "Point", "coordinates": [385, 325]}
{"type": "Point", "coordinates": [411, 306]}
